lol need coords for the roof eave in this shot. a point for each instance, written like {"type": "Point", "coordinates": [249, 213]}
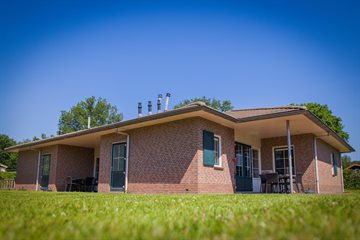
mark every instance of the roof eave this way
{"type": "Point", "coordinates": [331, 132]}
{"type": "Point", "coordinates": [307, 113]}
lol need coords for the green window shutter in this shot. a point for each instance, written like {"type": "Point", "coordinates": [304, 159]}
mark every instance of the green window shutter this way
{"type": "Point", "coordinates": [208, 144]}
{"type": "Point", "coordinates": [334, 164]}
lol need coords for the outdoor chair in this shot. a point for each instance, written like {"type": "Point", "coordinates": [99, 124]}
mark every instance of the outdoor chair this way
{"type": "Point", "coordinates": [70, 185]}
{"type": "Point", "coordinates": [298, 181]}
{"type": "Point", "coordinates": [273, 180]}
{"type": "Point", "coordinates": [89, 184]}
{"type": "Point", "coordinates": [263, 182]}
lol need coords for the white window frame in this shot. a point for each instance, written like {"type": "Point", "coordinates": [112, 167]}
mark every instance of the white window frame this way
{"type": "Point", "coordinates": [259, 162]}
{"type": "Point", "coordinates": [282, 147]}
{"type": "Point", "coordinates": [126, 165]}
{"type": "Point", "coordinates": [219, 158]}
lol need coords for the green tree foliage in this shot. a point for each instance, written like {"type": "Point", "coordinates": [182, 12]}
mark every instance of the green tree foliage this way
{"type": "Point", "coordinates": [100, 111]}
{"type": "Point", "coordinates": [7, 175]}
{"type": "Point", "coordinates": [9, 159]}
{"type": "Point", "coordinates": [222, 106]}
{"type": "Point", "coordinates": [345, 161]}
{"type": "Point", "coordinates": [351, 179]}
{"type": "Point", "coordinates": [325, 114]}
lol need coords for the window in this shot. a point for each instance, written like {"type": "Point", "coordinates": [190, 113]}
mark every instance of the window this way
{"type": "Point", "coordinates": [281, 160]}
{"type": "Point", "coordinates": [243, 160]}
{"type": "Point", "coordinates": [255, 165]}
{"type": "Point", "coordinates": [334, 163]}
{"type": "Point", "coordinates": [212, 149]}
{"type": "Point", "coordinates": [217, 151]}
{"type": "Point", "coordinates": [96, 175]}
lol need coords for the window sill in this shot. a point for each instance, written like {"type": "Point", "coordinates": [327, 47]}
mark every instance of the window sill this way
{"type": "Point", "coordinates": [218, 168]}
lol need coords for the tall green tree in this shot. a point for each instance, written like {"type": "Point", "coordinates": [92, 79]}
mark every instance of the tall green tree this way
{"type": "Point", "coordinates": [346, 161]}
{"type": "Point", "coordinates": [100, 111]}
{"type": "Point", "coordinates": [9, 159]}
{"type": "Point", "coordinates": [222, 106]}
{"type": "Point", "coordinates": [325, 114]}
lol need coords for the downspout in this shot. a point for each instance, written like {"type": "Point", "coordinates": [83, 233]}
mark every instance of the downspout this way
{"type": "Point", "coordinates": [290, 156]}
{"type": "Point", "coordinates": [316, 166]}
{"type": "Point", "coordinates": [38, 169]}
{"type": "Point", "coordinates": [342, 175]}
{"type": "Point", "coordinates": [317, 163]}
{"type": "Point", "coordinates": [127, 157]}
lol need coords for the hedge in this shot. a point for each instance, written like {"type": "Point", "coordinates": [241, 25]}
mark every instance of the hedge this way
{"type": "Point", "coordinates": [351, 179]}
{"type": "Point", "coordinates": [8, 175]}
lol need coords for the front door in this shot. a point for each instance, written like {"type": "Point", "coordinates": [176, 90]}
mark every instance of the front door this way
{"type": "Point", "coordinates": [45, 170]}
{"type": "Point", "coordinates": [243, 167]}
{"type": "Point", "coordinates": [118, 166]}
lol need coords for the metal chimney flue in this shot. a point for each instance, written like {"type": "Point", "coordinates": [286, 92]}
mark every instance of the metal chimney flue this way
{"type": "Point", "coordinates": [159, 103]}
{"type": "Point", "coordinates": [89, 121]}
{"type": "Point", "coordinates": [167, 101]}
{"type": "Point", "coordinates": [139, 109]}
{"type": "Point", "coordinates": [149, 108]}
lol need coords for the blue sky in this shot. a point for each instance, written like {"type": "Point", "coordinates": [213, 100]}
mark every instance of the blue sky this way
{"type": "Point", "coordinates": [256, 53]}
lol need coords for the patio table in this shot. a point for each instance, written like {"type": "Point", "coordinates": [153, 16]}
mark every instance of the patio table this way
{"type": "Point", "coordinates": [285, 180]}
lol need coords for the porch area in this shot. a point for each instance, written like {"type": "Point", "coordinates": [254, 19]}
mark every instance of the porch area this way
{"type": "Point", "coordinates": [91, 164]}
{"type": "Point", "coordinates": [262, 159]}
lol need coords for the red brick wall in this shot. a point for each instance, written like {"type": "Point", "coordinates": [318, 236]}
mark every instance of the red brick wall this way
{"type": "Point", "coordinates": [163, 158]}
{"type": "Point", "coordinates": [105, 159]}
{"type": "Point", "coordinates": [304, 155]}
{"type": "Point", "coordinates": [216, 180]}
{"type": "Point", "coordinates": [26, 171]}
{"type": "Point", "coordinates": [73, 161]}
{"type": "Point", "coordinates": [328, 183]}
{"type": "Point", "coordinates": [65, 161]}
{"type": "Point", "coordinates": [167, 158]}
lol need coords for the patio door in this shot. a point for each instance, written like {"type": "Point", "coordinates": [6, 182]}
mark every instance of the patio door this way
{"type": "Point", "coordinates": [45, 171]}
{"type": "Point", "coordinates": [243, 167]}
{"type": "Point", "coordinates": [118, 167]}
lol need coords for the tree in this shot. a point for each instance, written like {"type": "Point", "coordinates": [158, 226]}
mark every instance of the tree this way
{"type": "Point", "coordinates": [222, 106]}
{"type": "Point", "coordinates": [100, 111]}
{"type": "Point", "coordinates": [9, 159]}
{"type": "Point", "coordinates": [346, 161]}
{"type": "Point", "coordinates": [325, 114]}
{"type": "Point", "coordinates": [35, 138]}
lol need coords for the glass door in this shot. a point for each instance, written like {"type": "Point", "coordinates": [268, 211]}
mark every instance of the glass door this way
{"type": "Point", "coordinates": [118, 166]}
{"type": "Point", "coordinates": [243, 174]}
{"type": "Point", "coordinates": [45, 171]}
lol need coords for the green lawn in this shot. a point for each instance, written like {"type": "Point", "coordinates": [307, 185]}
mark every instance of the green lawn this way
{"type": "Point", "coordinates": [40, 215]}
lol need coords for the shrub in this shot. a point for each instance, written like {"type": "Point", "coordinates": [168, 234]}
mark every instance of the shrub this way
{"type": "Point", "coordinates": [351, 179]}
{"type": "Point", "coordinates": [8, 175]}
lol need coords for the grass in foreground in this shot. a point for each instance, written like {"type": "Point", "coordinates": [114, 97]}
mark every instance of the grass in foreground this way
{"type": "Point", "coordinates": [39, 215]}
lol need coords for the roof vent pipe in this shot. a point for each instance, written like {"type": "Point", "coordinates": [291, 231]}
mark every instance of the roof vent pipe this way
{"type": "Point", "coordinates": [139, 109]}
{"type": "Point", "coordinates": [89, 119]}
{"type": "Point", "coordinates": [159, 103]}
{"type": "Point", "coordinates": [167, 101]}
{"type": "Point", "coordinates": [149, 108]}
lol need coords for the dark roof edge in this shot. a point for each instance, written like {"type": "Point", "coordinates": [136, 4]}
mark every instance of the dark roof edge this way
{"type": "Point", "coordinates": [331, 132]}
{"type": "Point", "coordinates": [125, 123]}
{"type": "Point", "coordinates": [187, 110]}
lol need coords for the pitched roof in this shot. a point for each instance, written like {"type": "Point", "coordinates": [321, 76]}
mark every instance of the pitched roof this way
{"type": "Point", "coordinates": [3, 165]}
{"type": "Point", "coordinates": [254, 112]}
{"type": "Point", "coordinates": [234, 116]}
{"type": "Point", "coordinates": [353, 165]}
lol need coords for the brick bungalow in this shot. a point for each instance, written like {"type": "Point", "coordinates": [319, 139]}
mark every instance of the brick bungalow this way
{"type": "Point", "coordinates": [193, 149]}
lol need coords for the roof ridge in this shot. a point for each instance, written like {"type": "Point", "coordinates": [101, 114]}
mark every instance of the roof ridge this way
{"type": "Point", "coordinates": [270, 108]}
